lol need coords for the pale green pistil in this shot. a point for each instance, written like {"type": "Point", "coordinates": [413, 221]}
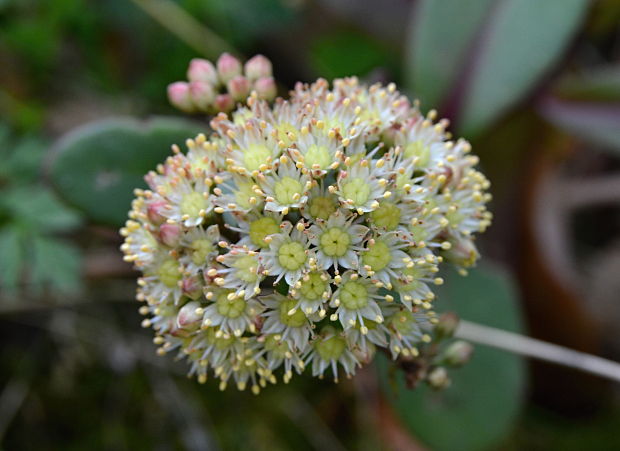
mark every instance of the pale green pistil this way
{"type": "Point", "coordinates": [201, 249]}
{"type": "Point", "coordinates": [356, 190]}
{"type": "Point", "coordinates": [317, 155]}
{"type": "Point", "coordinates": [314, 287]}
{"type": "Point", "coordinates": [386, 216]}
{"type": "Point", "coordinates": [192, 203]}
{"type": "Point", "coordinates": [169, 273]}
{"type": "Point", "coordinates": [256, 155]}
{"type": "Point", "coordinates": [403, 322]}
{"type": "Point", "coordinates": [354, 295]}
{"type": "Point", "coordinates": [322, 207]}
{"type": "Point", "coordinates": [247, 269]}
{"type": "Point", "coordinates": [335, 242]}
{"type": "Point", "coordinates": [331, 349]}
{"type": "Point", "coordinates": [230, 308]}
{"type": "Point", "coordinates": [297, 319]}
{"type": "Point", "coordinates": [377, 257]}
{"type": "Point", "coordinates": [286, 189]}
{"type": "Point", "coordinates": [292, 256]}
{"type": "Point", "coordinates": [260, 228]}
{"type": "Point", "coordinates": [419, 150]}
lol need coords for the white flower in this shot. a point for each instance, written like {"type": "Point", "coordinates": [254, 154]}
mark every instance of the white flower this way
{"type": "Point", "coordinates": [328, 351]}
{"type": "Point", "coordinates": [355, 299]}
{"type": "Point", "coordinates": [289, 254]}
{"type": "Point", "coordinates": [285, 188]}
{"type": "Point", "coordinates": [337, 240]}
{"type": "Point", "coordinates": [282, 317]}
{"type": "Point", "coordinates": [232, 313]}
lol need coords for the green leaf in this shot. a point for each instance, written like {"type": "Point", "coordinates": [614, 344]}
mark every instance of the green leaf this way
{"type": "Point", "coordinates": [484, 400]}
{"type": "Point", "coordinates": [440, 38]}
{"type": "Point", "coordinates": [98, 166]}
{"type": "Point", "coordinates": [343, 53]}
{"type": "Point", "coordinates": [54, 263]}
{"type": "Point", "coordinates": [479, 57]}
{"type": "Point", "coordinates": [599, 84]}
{"type": "Point", "coordinates": [597, 123]}
{"type": "Point", "coordinates": [522, 40]}
{"type": "Point", "coordinates": [11, 257]}
{"type": "Point", "coordinates": [38, 207]}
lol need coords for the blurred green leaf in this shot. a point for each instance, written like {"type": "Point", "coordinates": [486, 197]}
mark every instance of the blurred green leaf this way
{"type": "Point", "coordinates": [98, 166]}
{"type": "Point", "coordinates": [36, 206]}
{"type": "Point", "coordinates": [480, 57]}
{"type": "Point", "coordinates": [484, 400]}
{"type": "Point", "coordinates": [521, 42]}
{"type": "Point", "coordinates": [344, 53]}
{"type": "Point", "coordinates": [599, 84]}
{"type": "Point", "coordinates": [11, 257]}
{"type": "Point", "coordinates": [440, 38]}
{"type": "Point", "coordinates": [594, 122]}
{"type": "Point", "coordinates": [55, 264]}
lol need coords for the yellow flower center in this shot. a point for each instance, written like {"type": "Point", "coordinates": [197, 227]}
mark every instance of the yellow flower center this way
{"type": "Point", "coordinates": [292, 256]}
{"type": "Point", "coordinates": [356, 190]}
{"type": "Point", "coordinates": [354, 295]}
{"type": "Point", "coordinates": [260, 228]}
{"type": "Point", "coordinates": [335, 242]}
{"type": "Point", "coordinates": [283, 129]}
{"type": "Point", "coordinates": [403, 322]}
{"type": "Point", "coordinates": [377, 256]}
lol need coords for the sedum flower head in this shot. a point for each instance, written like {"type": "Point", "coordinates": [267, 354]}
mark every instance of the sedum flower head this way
{"type": "Point", "coordinates": [304, 234]}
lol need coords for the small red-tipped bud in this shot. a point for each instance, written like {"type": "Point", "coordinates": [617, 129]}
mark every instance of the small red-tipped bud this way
{"type": "Point", "coordinates": [191, 287]}
{"type": "Point", "coordinates": [187, 316]}
{"type": "Point", "coordinates": [239, 87]}
{"type": "Point", "coordinates": [202, 70]}
{"type": "Point", "coordinates": [169, 234]}
{"type": "Point", "coordinates": [458, 353]}
{"type": "Point", "coordinates": [224, 103]}
{"type": "Point", "coordinates": [202, 94]}
{"type": "Point", "coordinates": [179, 96]}
{"type": "Point", "coordinates": [258, 67]}
{"type": "Point", "coordinates": [154, 211]}
{"type": "Point", "coordinates": [266, 88]}
{"type": "Point", "coordinates": [228, 67]}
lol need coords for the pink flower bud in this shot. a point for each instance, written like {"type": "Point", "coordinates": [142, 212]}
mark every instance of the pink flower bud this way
{"type": "Point", "coordinates": [258, 67]}
{"type": "Point", "coordinates": [266, 88]}
{"type": "Point", "coordinates": [179, 96]}
{"type": "Point", "coordinates": [228, 67]}
{"type": "Point", "coordinates": [191, 287]}
{"type": "Point", "coordinates": [239, 87]}
{"type": "Point", "coordinates": [202, 70]}
{"type": "Point", "coordinates": [169, 234]}
{"type": "Point", "coordinates": [154, 211]}
{"type": "Point", "coordinates": [202, 94]}
{"type": "Point", "coordinates": [187, 316]}
{"type": "Point", "coordinates": [224, 103]}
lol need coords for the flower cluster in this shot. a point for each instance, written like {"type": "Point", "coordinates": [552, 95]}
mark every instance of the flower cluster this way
{"type": "Point", "coordinates": [304, 234]}
{"type": "Point", "coordinates": [212, 89]}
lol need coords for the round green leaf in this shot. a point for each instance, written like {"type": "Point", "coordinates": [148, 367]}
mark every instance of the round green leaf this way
{"type": "Point", "coordinates": [97, 167]}
{"type": "Point", "coordinates": [485, 397]}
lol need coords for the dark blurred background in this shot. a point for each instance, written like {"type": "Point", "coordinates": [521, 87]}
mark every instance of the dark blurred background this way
{"type": "Point", "coordinates": [534, 85]}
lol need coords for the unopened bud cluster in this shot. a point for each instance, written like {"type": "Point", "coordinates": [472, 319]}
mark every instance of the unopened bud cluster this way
{"type": "Point", "coordinates": [217, 88]}
{"type": "Point", "coordinates": [306, 234]}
